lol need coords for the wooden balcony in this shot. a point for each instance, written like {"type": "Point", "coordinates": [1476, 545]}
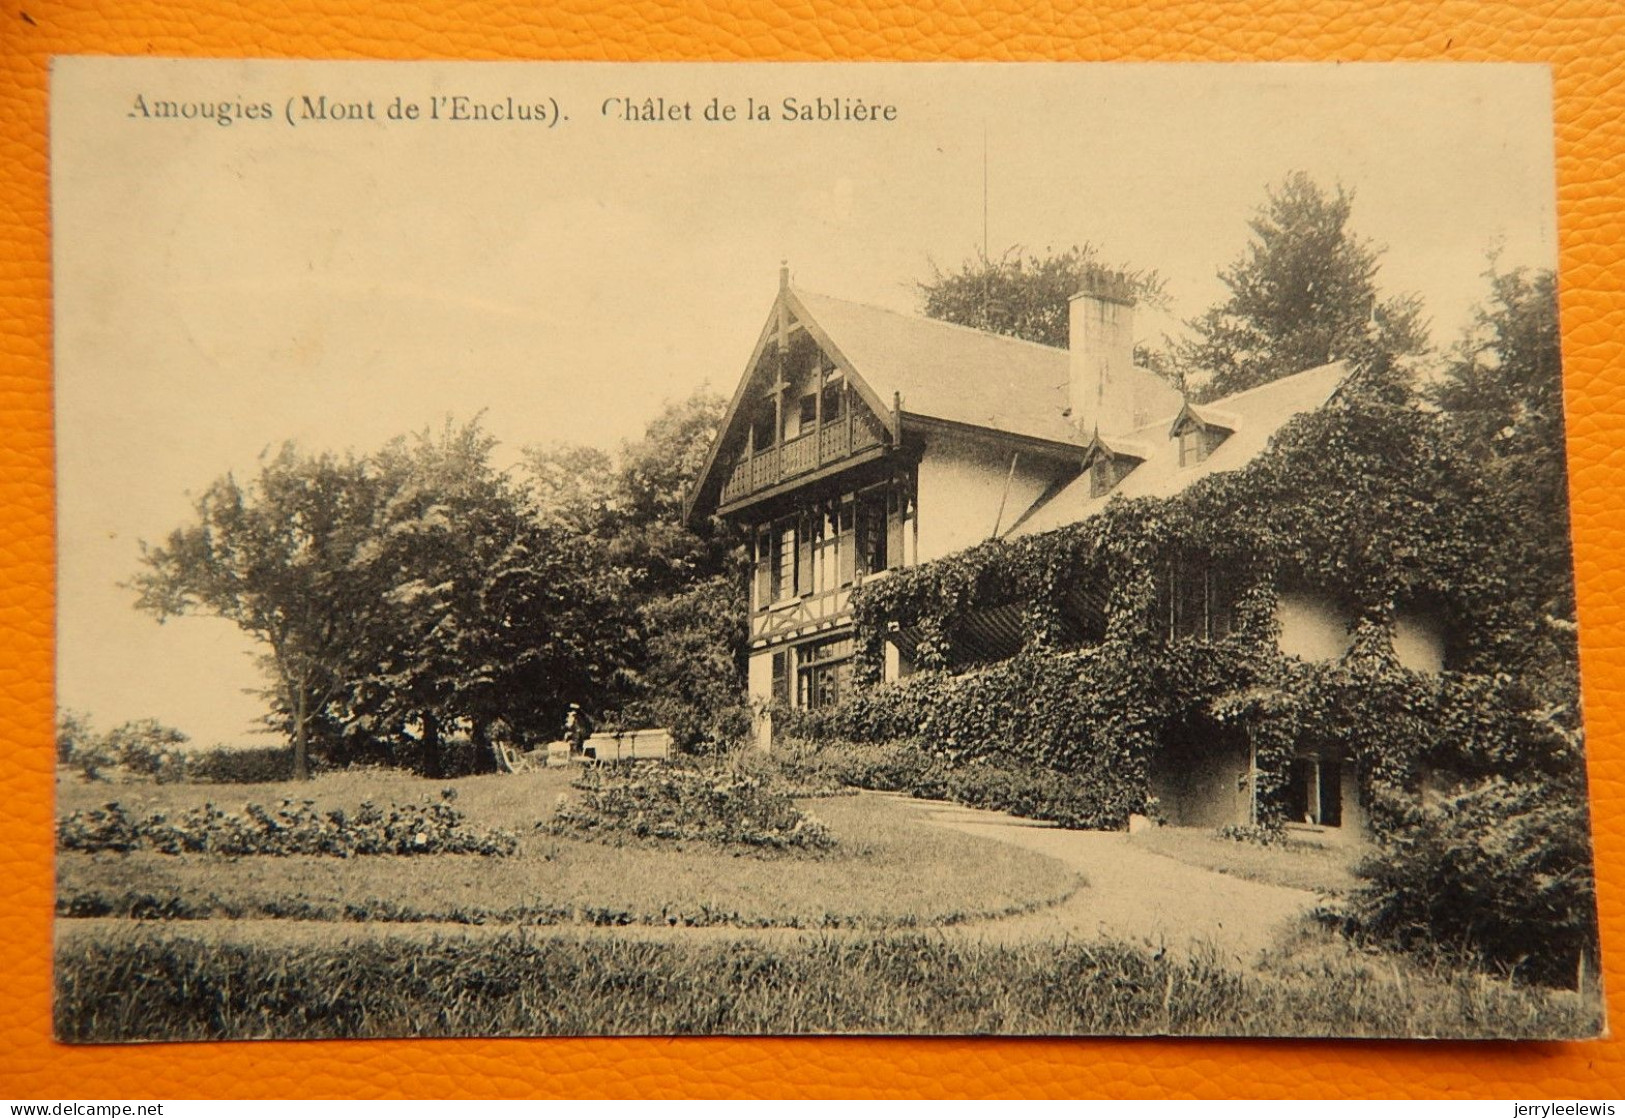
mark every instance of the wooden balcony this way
{"type": "Point", "coordinates": [798, 456]}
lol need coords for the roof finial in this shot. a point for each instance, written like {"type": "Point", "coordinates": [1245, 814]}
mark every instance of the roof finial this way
{"type": "Point", "coordinates": [784, 275]}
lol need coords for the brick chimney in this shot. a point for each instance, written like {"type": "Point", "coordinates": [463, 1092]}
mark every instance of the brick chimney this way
{"type": "Point", "coordinates": [1100, 335]}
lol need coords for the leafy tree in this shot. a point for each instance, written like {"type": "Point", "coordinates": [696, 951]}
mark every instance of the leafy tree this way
{"type": "Point", "coordinates": [1301, 295]}
{"type": "Point", "coordinates": [572, 487]}
{"type": "Point", "coordinates": [1503, 390]}
{"type": "Point", "coordinates": [683, 583]}
{"type": "Point", "coordinates": [495, 620]}
{"type": "Point", "coordinates": [693, 679]}
{"type": "Point", "coordinates": [146, 747]}
{"type": "Point", "coordinates": [1023, 296]}
{"type": "Point", "coordinates": [288, 559]}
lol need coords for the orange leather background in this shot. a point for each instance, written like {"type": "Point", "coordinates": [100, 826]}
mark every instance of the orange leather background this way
{"type": "Point", "coordinates": [1583, 40]}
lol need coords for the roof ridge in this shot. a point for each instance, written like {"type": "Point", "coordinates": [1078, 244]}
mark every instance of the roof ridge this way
{"type": "Point", "coordinates": [989, 334]}
{"type": "Point", "coordinates": [1219, 403]}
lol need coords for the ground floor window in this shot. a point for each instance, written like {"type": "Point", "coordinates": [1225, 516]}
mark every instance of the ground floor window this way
{"type": "Point", "coordinates": [1314, 791]}
{"type": "Point", "coordinates": [823, 672]}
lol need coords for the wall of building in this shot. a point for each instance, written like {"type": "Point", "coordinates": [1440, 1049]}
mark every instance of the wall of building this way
{"type": "Point", "coordinates": [1356, 824]}
{"type": "Point", "coordinates": [1206, 786]}
{"type": "Point", "coordinates": [1311, 627]}
{"type": "Point", "coordinates": [1419, 643]}
{"type": "Point", "coordinates": [759, 686]}
{"type": "Point", "coordinates": [961, 482]}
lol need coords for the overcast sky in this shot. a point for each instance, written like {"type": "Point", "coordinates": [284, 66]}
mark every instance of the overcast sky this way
{"type": "Point", "coordinates": [222, 289]}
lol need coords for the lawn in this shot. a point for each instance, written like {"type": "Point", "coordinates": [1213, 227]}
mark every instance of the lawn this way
{"type": "Point", "coordinates": [1295, 864]}
{"type": "Point", "coordinates": [165, 981]}
{"type": "Point", "coordinates": [890, 868]}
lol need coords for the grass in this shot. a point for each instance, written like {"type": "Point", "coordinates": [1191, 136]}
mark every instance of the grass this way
{"type": "Point", "coordinates": [890, 869]}
{"type": "Point", "coordinates": [1294, 864]}
{"type": "Point", "coordinates": [158, 983]}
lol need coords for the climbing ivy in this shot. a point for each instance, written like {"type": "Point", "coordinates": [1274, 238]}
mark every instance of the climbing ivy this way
{"type": "Point", "coordinates": [1373, 504]}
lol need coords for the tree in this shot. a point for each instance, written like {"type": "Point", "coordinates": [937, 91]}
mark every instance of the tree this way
{"type": "Point", "coordinates": [1023, 297]}
{"type": "Point", "coordinates": [693, 672]}
{"type": "Point", "coordinates": [683, 583]}
{"type": "Point", "coordinates": [1303, 294]}
{"type": "Point", "coordinates": [1503, 390]}
{"type": "Point", "coordinates": [286, 560]}
{"type": "Point", "coordinates": [495, 619]}
{"type": "Point", "coordinates": [572, 487]}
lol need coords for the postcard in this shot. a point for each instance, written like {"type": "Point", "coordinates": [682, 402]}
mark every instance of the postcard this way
{"type": "Point", "coordinates": [599, 549]}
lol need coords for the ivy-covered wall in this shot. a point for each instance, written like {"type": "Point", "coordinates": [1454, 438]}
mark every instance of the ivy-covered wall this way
{"type": "Point", "coordinates": [1372, 506]}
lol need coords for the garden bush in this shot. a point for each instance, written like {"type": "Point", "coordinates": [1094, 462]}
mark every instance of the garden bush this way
{"type": "Point", "coordinates": [142, 749]}
{"type": "Point", "coordinates": [1498, 874]}
{"type": "Point", "coordinates": [1033, 792]}
{"type": "Point", "coordinates": [427, 828]}
{"type": "Point", "coordinates": [666, 802]}
{"type": "Point", "coordinates": [225, 764]}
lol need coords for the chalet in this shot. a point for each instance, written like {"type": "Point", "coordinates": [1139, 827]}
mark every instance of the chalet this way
{"type": "Point", "coordinates": [860, 441]}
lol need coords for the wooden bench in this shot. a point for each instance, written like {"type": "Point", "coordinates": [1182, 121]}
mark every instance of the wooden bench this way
{"type": "Point", "coordinates": [629, 745]}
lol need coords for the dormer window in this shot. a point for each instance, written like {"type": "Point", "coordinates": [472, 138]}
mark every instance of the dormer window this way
{"type": "Point", "coordinates": [1200, 433]}
{"type": "Point", "coordinates": [1109, 463]}
{"type": "Point", "coordinates": [1194, 446]}
{"type": "Point", "coordinates": [1106, 471]}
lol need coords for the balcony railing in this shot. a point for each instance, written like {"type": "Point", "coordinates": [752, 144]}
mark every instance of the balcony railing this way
{"type": "Point", "coordinates": [799, 456]}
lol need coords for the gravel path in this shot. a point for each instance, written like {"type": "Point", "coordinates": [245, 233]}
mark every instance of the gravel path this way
{"type": "Point", "coordinates": [1132, 894]}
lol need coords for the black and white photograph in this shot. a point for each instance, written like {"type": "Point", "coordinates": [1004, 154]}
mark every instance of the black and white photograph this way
{"type": "Point", "coordinates": [712, 549]}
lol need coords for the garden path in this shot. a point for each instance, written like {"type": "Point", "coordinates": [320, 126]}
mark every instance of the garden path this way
{"type": "Point", "coordinates": [1133, 894]}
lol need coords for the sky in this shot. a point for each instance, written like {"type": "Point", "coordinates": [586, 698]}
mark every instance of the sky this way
{"type": "Point", "coordinates": [220, 289]}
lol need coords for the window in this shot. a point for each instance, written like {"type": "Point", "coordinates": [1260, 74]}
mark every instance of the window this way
{"type": "Point", "coordinates": [825, 546]}
{"type": "Point", "coordinates": [834, 396]}
{"type": "Point", "coordinates": [1198, 601]}
{"type": "Point", "coordinates": [809, 413]}
{"type": "Point", "coordinates": [871, 542]}
{"type": "Point", "coordinates": [761, 428]}
{"type": "Point", "coordinates": [764, 568]}
{"type": "Point", "coordinates": [824, 672]}
{"type": "Point", "coordinates": [846, 553]}
{"type": "Point", "coordinates": [1106, 471]}
{"type": "Point", "coordinates": [784, 560]}
{"type": "Point", "coordinates": [1196, 443]}
{"type": "Point", "coordinates": [781, 677]}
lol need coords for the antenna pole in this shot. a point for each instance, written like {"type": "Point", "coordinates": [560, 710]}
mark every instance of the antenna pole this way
{"type": "Point", "coordinates": [984, 191]}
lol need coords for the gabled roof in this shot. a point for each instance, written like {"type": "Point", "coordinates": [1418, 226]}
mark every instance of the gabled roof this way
{"type": "Point", "coordinates": [1252, 417]}
{"type": "Point", "coordinates": [1118, 446]}
{"type": "Point", "coordinates": [950, 372]}
{"type": "Point", "coordinates": [1206, 416]}
{"type": "Point", "coordinates": [935, 370]}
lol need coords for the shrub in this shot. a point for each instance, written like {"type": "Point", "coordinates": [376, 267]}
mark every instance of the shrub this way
{"type": "Point", "coordinates": [724, 807]}
{"type": "Point", "coordinates": [894, 766]}
{"type": "Point", "coordinates": [225, 764]}
{"type": "Point", "coordinates": [1498, 874]}
{"type": "Point", "coordinates": [1033, 792]}
{"type": "Point", "coordinates": [148, 749]}
{"type": "Point", "coordinates": [1081, 722]}
{"type": "Point", "coordinates": [143, 749]}
{"type": "Point", "coordinates": [426, 828]}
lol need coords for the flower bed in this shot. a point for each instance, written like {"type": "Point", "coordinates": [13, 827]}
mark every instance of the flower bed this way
{"type": "Point", "coordinates": [615, 803]}
{"type": "Point", "coordinates": [290, 828]}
